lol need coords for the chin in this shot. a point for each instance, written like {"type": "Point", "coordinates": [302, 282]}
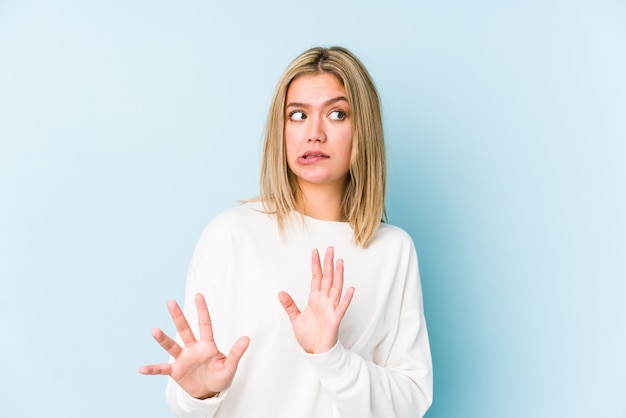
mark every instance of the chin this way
{"type": "Point", "coordinates": [321, 181]}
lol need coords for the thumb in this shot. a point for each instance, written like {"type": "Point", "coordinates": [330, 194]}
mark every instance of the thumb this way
{"type": "Point", "coordinates": [236, 352]}
{"type": "Point", "coordinates": [289, 305]}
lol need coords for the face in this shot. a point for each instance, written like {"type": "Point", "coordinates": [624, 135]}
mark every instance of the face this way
{"type": "Point", "coordinates": [318, 131]}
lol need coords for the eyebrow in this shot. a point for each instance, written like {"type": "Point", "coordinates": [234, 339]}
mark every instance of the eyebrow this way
{"type": "Point", "coordinates": [327, 103]}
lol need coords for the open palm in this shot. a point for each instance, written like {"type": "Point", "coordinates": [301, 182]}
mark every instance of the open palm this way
{"type": "Point", "coordinates": [317, 327]}
{"type": "Point", "coordinates": [198, 367]}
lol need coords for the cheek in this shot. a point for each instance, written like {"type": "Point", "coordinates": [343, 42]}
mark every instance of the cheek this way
{"type": "Point", "coordinates": [347, 144]}
{"type": "Point", "coordinates": [291, 149]}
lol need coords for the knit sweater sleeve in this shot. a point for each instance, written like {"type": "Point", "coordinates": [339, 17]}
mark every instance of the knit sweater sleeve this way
{"type": "Point", "coordinates": [399, 385]}
{"type": "Point", "coordinates": [183, 405]}
{"type": "Point", "coordinates": [203, 267]}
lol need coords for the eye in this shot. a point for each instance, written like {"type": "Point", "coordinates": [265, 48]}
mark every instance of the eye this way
{"type": "Point", "coordinates": [337, 115]}
{"type": "Point", "coordinates": [297, 115]}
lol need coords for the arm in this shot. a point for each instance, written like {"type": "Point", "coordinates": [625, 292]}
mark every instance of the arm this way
{"type": "Point", "coordinates": [361, 388]}
{"type": "Point", "coordinates": [208, 269]}
{"type": "Point", "coordinates": [395, 382]}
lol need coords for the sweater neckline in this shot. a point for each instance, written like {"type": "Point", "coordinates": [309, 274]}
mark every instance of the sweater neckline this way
{"type": "Point", "coordinates": [310, 219]}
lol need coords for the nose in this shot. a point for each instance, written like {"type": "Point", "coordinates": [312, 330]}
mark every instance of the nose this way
{"type": "Point", "coordinates": [316, 132]}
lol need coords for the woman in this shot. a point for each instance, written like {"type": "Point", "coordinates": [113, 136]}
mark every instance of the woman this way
{"type": "Point", "coordinates": [326, 352]}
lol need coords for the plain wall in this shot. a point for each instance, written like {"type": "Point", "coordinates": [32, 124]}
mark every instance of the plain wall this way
{"type": "Point", "coordinates": [125, 126]}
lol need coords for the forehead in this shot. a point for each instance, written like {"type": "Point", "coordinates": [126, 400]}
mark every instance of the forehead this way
{"type": "Point", "coordinates": [312, 88]}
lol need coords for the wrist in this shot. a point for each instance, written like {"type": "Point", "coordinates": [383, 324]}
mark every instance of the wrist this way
{"type": "Point", "coordinates": [208, 395]}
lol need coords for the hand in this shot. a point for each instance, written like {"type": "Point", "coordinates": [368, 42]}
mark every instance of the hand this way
{"type": "Point", "coordinates": [316, 328]}
{"type": "Point", "coordinates": [199, 368]}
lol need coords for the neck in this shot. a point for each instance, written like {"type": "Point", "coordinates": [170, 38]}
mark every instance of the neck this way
{"type": "Point", "coordinates": [321, 202]}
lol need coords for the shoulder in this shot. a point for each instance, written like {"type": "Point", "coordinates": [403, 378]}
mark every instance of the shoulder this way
{"type": "Point", "coordinates": [389, 234]}
{"type": "Point", "coordinates": [245, 212]}
{"type": "Point", "coordinates": [249, 217]}
{"type": "Point", "coordinates": [232, 227]}
{"type": "Point", "coordinates": [393, 242]}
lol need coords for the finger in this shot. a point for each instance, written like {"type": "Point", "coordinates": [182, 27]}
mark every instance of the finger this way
{"type": "Point", "coordinates": [344, 304]}
{"type": "Point", "coordinates": [204, 319]}
{"type": "Point", "coordinates": [236, 352]}
{"type": "Point", "coordinates": [327, 276]}
{"type": "Point", "coordinates": [182, 326]}
{"type": "Point", "coordinates": [167, 343]}
{"type": "Point", "coordinates": [316, 270]}
{"type": "Point", "coordinates": [335, 291]}
{"type": "Point", "coordinates": [290, 307]}
{"type": "Point", "coordinates": [156, 369]}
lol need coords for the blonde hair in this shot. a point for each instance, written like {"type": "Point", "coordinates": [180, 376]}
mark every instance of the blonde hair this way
{"type": "Point", "coordinates": [363, 203]}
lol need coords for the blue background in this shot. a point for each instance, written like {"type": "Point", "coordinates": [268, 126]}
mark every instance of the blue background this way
{"type": "Point", "coordinates": [125, 126]}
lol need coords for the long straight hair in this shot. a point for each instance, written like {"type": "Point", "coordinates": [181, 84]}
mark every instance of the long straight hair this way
{"type": "Point", "coordinates": [363, 204]}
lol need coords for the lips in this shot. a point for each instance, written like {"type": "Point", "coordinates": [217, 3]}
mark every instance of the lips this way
{"type": "Point", "coordinates": [313, 154]}
{"type": "Point", "coordinates": [311, 157]}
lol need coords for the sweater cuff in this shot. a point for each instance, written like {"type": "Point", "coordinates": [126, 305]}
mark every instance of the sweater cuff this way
{"type": "Point", "coordinates": [188, 406]}
{"type": "Point", "coordinates": [333, 367]}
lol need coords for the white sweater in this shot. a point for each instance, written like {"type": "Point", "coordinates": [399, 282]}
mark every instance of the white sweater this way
{"type": "Point", "coordinates": [381, 366]}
